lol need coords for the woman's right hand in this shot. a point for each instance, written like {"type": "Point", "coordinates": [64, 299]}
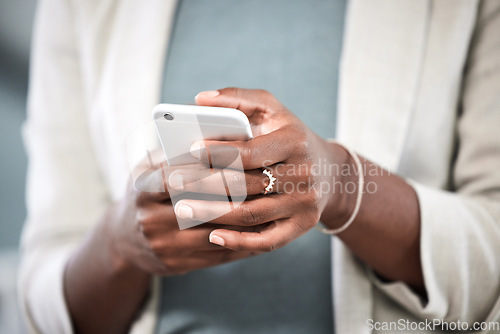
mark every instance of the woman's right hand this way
{"type": "Point", "coordinates": [145, 232]}
{"type": "Point", "coordinates": [108, 276]}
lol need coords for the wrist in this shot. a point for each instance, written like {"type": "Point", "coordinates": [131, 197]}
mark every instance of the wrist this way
{"type": "Point", "coordinates": [101, 289]}
{"type": "Point", "coordinates": [119, 250]}
{"type": "Point", "coordinates": [343, 177]}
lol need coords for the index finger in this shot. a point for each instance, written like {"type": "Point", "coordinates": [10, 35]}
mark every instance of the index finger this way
{"type": "Point", "coordinates": [249, 101]}
{"type": "Point", "coordinates": [261, 151]}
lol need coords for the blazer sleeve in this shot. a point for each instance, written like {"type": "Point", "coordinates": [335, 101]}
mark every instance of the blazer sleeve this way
{"type": "Point", "coordinates": [460, 229]}
{"type": "Point", "coordinates": [65, 192]}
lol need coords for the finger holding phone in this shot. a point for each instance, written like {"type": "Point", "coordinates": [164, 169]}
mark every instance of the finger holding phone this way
{"type": "Point", "coordinates": [383, 226]}
{"type": "Point", "coordinates": [283, 147]}
{"type": "Point", "coordinates": [148, 236]}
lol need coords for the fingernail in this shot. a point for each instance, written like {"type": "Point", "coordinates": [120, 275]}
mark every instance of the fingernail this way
{"type": "Point", "coordinates": [176, 181]}
{"type": "Point", "coordinates": [215, 239]}
{"type": "Point", "coordinates": [183, 211]}
{"type": "Point", "coordinates": [208, 93]}
{"type": "Point", "coordinates": [195, 150]}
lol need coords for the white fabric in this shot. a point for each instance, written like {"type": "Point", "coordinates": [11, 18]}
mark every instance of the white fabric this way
{"type": "Point", "coordinates": [415, 83]}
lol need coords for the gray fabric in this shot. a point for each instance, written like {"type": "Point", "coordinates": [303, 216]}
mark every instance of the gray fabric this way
{"type": "Point", "coordinates": [287, 291]}
{"type": "Point", "coordinates": [290, 48]}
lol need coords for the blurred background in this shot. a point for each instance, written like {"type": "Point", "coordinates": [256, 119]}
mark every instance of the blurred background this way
{"type": "Point", "coordinates": [16, 20]}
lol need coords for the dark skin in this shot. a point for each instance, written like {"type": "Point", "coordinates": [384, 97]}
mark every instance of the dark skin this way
{"type": "Point", "coordinates": [107, 279]}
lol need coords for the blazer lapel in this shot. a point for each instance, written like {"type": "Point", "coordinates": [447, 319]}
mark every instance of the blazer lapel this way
{"type": "Point", "coordinates": [130, 86]}
{"type": "Point", "coordinates": [384, 45]}
{"type": "Point", "coordinates": [379, 75]}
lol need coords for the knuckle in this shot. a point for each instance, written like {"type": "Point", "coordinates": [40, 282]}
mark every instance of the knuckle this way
{"type": "Point", "coordinates": [239, 184]}
{"type": "Point", "coordinates": [140, 198]}
{"type": "Point", "coordinates": [158, 247]}
{"type": "Point", "coordinates": [144, 229]}
{"type": "Point", "coordinates": [237, 178]}
{"type": "Point", "coordinates": [238, 93]}
{"type": "Point", "coordinates": [229, 90]}
{"type": "Point", "coordinates": [248, 216]}
{"type": "Point", "coordinates": [264, 93]}
{"type": "Point", "coordinates": [267, 101]}
{"type": "Point", "coordinates": [172, 265]}
{"type": "Point", "coordinates": [144, 223]}
{"type": "Point", "coordinates": [268, 247]}
{"type": "Point", "coordinates": [237, 247]}
{"type": "Point", "coordinates": [247, 153]}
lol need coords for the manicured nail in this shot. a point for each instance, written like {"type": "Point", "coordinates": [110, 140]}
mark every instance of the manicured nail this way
{"type": "Point", "coordinates": [176, 181]}
{"type": "Point", "coordinates": [195, 150]}
{"type": "Point", "coordinates": [183, 211]}
{"type": "Point", "coordinates": [215, 239]}
{"type": "Point", "coordinates": [208, 93]}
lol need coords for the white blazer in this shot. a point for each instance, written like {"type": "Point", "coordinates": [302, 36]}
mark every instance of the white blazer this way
{"type": "Point", "coordinates": [419, 94]}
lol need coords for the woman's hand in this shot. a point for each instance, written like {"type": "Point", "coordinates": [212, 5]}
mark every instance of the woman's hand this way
{"type": "Point", "coordinates": [147, 235]}
{"type": "Point", "coordinates": [108, 277]}
{"type": "Point", "coordinates": [285, 146]}
{"type": "Point", "coordinates": [315, 180]}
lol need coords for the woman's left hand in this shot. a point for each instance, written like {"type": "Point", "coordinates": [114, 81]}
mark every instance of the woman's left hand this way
{"type": "Point", "coordinates": [282, 144]}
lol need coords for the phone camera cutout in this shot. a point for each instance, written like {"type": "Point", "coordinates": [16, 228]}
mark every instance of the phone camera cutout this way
{"type": "Point", "coordinates": [169, 116]}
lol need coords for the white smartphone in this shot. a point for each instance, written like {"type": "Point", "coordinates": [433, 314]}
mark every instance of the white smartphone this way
{"type": "Point", "coordinates": [179, 125]}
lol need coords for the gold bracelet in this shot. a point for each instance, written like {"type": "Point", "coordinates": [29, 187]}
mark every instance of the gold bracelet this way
{"type": "Point", "coordinates": [359, 197]}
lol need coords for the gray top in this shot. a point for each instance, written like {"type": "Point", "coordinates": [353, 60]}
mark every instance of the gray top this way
{"type": "Point", "coordinates": [292, 49]}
